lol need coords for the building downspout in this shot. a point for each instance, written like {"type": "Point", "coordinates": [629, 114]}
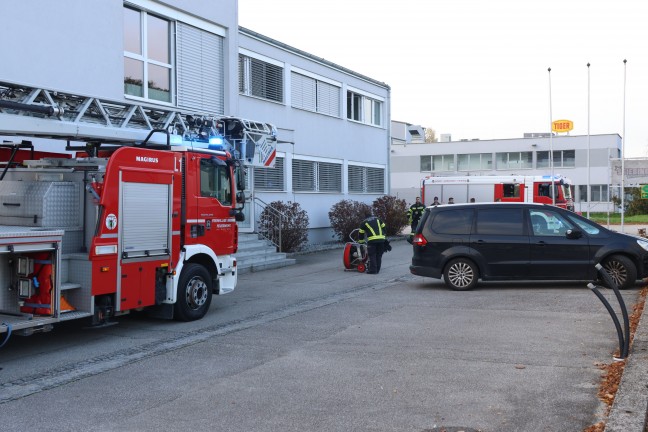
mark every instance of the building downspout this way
{"type": "Point", "coordinates": [389, 131]}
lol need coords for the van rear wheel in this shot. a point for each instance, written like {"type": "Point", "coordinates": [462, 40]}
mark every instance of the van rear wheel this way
{"type": "Point", "coordinates": [461, 274]}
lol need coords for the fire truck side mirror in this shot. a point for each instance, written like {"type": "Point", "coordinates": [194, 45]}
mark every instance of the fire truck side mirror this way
{"type": "Point", "coordinates": [239, 216]}
{"type": "Point", "coordinates": [239, 172]}
{"type": "Point", "coordinates": [240, 197]}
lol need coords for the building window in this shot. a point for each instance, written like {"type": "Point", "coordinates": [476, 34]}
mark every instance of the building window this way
{"type": "Point", "coordinates": [475, 162]}
{"type": "Point", "coordinates": [311, 176]}
{"type": "Point", "coordinates": [426, 163]}
{"type": "Point", "coordinates": [437, 163]}
{"type": "Point", "coordinates": [542, 159]}
{"type": "Point", "coordinates": [199, 70]}
{"type": "Point", "coordinates": [364, 179]}
{"type": "Point", "coordinates": [315, 95]}
{"type": "Point", "coordinates": [514, 160]}
{"type": "Point", "coordinates": [599, 193]}
{"type": "Point", "coordinates": [147, 56]}
{"type": "Point", "coordinates": [564, 158]}
{"type": "Point", "coordinates": [364, 109]}
{"type": "Point", "coordinates": [561, 159]}
{"type": "Point", "coordinates": [443, 162]}
{"type": "Point", "coordinates": [270, 179]}
{"type": "Point", "coordinates": [260, 79]}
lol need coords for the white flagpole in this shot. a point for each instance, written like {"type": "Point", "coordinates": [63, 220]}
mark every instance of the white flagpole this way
{"type": "Point", "coordinates": [551, 165]}
{"type": "Point", "coordinates": [623, 140]}
{"type": "Point", "coordinates": [589, 190]}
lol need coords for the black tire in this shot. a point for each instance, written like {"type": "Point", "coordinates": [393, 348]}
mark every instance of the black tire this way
{"type": "Point", "coordinates": [622, 270]}
{"type": "Point", "coordinates": [461, 274]}
{"type": "Point", "coordinates": [194, 293]}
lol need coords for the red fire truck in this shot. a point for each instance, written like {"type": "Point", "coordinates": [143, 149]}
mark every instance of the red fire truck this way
{"type": "Point", "coordinates": [137, 211]}
{"type": "Point", "coordinates": [462, 189]}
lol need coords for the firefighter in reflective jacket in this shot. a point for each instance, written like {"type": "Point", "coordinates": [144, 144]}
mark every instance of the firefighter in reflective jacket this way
{"type": "Point", "coordinates": [371, 231]}
{"type": "Point", "coordinates": [415, 212]}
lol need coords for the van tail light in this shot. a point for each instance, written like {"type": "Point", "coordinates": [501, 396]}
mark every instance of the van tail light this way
{"type": "Point", "coordinates": [419, 240]}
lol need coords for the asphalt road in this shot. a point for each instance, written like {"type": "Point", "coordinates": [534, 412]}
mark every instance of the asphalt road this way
{"type": "Point", "coordinates": [312, 347]}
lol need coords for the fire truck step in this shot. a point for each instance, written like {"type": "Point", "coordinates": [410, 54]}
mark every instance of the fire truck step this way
{"type": "Point", "coordinates": [74, 315]}
{"type": "Point", "coordinates": [69, 285]}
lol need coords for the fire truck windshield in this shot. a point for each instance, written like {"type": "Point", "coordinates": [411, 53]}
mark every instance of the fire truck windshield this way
{"type": "Point", "coordinates": [215, 181]}
{"type": "Point", "coordinates": [567, 191]}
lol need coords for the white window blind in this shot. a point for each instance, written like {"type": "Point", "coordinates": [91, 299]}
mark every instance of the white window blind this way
{"type": "Point", "coordinates": [200, 70]}
{"type": "Point", "coordinates": [303, 92]}
{"type": "Point", "coordinates": [366, 179]}
{"type": "Point", "coordinates": [329, 177]}
{"type": "Point", "coordinates": [375, 180]}
{"type": "Point", "coordinates": [303, 175]}
{"type": "Point", "coordinates": [356, 179]}
{"type": "Point", "coordinates": [260, 79]}
{"type": "Point", "coordinates": [270, 179]}
{"type": "Point", "coordinates": [316, 176]}
{"type": "Point", "coordinates": [328, 99]}
{"type": "Point", "coordinates": [314, 95]}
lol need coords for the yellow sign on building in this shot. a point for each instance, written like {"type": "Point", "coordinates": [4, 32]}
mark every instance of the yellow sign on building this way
{"type": "Point", "coordinates": [562, 125]}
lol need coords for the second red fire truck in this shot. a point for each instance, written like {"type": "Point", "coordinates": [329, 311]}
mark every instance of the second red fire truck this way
{"type": "Point", "coordinates": [556, 190]}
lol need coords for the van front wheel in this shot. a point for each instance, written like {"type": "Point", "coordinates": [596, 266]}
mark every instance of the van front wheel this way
{"type": "Point", "coordinates": [622, 271]}
{"type": "Point", "coordinates": [461, 274]}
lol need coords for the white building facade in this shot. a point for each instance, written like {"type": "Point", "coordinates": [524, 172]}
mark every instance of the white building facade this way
{"type": "Point", "coordinates": [333, 123]}
{"type": "Point", "coordinates": [584, 160]}
{"type": "Point", "coordinates": [333, 129]}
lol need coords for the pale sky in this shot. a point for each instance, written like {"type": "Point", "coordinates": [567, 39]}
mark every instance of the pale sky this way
{"type": "Point", "coordinates": [478, 68]}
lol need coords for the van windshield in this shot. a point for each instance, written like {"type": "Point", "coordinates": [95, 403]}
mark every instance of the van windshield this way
{"type": "Point", "coordinates": [589, 227]}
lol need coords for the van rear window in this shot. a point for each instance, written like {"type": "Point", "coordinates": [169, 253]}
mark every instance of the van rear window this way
{"type": "Point", "coordinates": [453, 221]}
{"type": "Point", "coordinates": [500, 221]}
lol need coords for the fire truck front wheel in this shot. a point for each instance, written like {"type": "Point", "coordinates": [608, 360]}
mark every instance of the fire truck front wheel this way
{"type": "Point", "coordinates": [194, 293]}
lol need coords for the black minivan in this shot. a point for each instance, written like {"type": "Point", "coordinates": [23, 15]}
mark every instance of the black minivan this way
{"type": "Point", "coordinates": [513, 241]}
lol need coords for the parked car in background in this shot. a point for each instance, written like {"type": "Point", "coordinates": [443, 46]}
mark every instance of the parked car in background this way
{"type": "Point", "coordinates": [465, 243]}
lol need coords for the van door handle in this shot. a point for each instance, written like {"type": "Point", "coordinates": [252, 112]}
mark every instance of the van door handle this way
{"type": "Point", "coordinates": [541, 243]}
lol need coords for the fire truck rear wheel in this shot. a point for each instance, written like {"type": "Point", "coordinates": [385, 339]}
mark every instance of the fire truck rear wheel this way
{"type": "Point", "coordinates": [194, 293]}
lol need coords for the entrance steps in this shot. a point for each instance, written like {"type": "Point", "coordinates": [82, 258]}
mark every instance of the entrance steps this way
{"type": "Point", "coordinates": [257, 254]}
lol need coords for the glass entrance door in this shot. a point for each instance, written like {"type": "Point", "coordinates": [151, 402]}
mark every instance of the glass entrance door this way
{"type": "Point", "coordinates": [247, 226]}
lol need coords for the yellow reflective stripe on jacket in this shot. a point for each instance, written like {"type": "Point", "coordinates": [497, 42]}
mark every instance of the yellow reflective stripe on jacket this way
{"type": "Point", "coordinates": [374, 236]}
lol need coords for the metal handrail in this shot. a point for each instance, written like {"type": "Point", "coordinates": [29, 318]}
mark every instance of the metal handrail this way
{"type": "Point", "coordinates": [271, 226]}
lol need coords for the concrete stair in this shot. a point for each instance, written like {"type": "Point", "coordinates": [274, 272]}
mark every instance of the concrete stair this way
{"type": "Point", "coordinates": [258, 254]}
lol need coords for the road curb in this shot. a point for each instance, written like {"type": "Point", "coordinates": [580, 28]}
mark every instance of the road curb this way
{"type": "Point", "coordinates": [629, 411]}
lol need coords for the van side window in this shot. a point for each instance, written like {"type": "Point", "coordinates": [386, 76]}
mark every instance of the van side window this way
{"type": "Point", "coordinates": [453, 222]}
{"type": "Point", "coordinates": [548, 223]}
{"type": "Point", "coordinates": [501, 221]}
